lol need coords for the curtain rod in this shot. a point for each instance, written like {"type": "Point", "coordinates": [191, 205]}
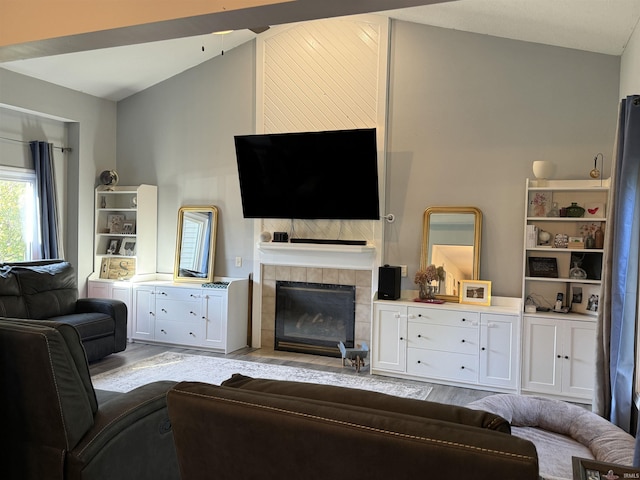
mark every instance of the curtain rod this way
{"type": "Point", "coordinates": [62, 149]}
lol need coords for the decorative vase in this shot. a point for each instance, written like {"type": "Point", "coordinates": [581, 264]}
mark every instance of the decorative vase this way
{"type": "Point", "coordinates": [575, 210]}
{"type": "Point", "coordinates": [425, 292]}
{"type": "Point", "coordinates": [576, 272]}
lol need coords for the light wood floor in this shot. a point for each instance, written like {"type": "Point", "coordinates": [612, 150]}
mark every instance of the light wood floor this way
{"type": "Point", "coordinates": [136, 352]}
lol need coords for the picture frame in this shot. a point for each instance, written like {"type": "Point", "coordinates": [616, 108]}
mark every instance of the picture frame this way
{"type": "Point", "coordinates": [543, 267]}
{"type": "Point", "coordinates": [128, 246]}
{"type": "Point", "coordinates": [128, 227]}
{"type": "Point", "coordinates": [121, 268]}
{"type": "Point", "coordinates": [113, 247]}
{"type": "Point", "coordinates": [540, 204]}
{"type": "Point", "coordinates": [104, 268]}
{"type": "Point", "coordinates": [475, 292]}
{"type": "Point", "coordinates": [594, 210]}
{"type": "Point", "coordinates": [585, 298]}
{"type": "Point", "coordinates": [591, 263]}
{"type": "Point", "coordinates": [115, 223]}
{"type": "Point", "coordinates": [588, 469]}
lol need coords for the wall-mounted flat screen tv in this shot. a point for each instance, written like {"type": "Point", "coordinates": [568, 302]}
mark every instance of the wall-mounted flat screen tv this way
{"type": "Point", "coordinates": [311, 175]}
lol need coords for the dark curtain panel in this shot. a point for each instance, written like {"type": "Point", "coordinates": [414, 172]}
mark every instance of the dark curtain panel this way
{"type": "Point", "coordinates": [50, 245]}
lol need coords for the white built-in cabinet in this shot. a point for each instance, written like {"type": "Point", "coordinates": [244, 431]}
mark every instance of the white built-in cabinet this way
{"type": "Point", "coordinates": [472, 346]}
{"type": "Point", "coordinates": [559, 356]}
{"type": "Point", "coordinates": [559, 347]}
{"type": "Point", "coordinates": [210, 317]}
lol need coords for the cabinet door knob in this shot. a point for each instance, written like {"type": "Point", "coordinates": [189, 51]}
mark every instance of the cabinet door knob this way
{"type": "Point", "coordinates": [463, 340]}
{"type": "Point", "coordinates": [162, 330]}
{"type": "Point", "coordinates": [192, 313]}
{"type": "Point", "coordinates": [419, 336]}
{"type": "Point", "coordinates": [401, 338]}
{"type": "Point", "coordinates": [462, 367]}
{"type": "Point", "coordinates": [419, 361]}
{"type": "Point", "coordinates": [191, 333]}
{"type": "Point", "coordinates": [164, 310]}
{"type": "Point", "coordinates": [559, 356]}
{"type": "Point", "coordinates": [483, 349]}
{"type": "Point", "coordinates": [566, 357]}
{"type": "Point", "coordinates": [464, 319]}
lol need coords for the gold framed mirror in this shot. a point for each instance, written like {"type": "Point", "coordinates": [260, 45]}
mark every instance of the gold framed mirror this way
{"type": "Point", "coordinates": [196, 244]}
{"type": "Point", "coordinates": [451, 238]}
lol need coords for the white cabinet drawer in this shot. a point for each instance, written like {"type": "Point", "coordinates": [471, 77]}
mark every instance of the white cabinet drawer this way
{"type": "Point", "coordinates": [178, 311]}
{"type": "Point", "coordinates": [184, 333]}
{"type": "Point", "coordinates": [445, 317]}
{"type": "Point", "coordinates": [446, 365]}
{"type": "Point", "coordinates": [443, 338]}
{"type": "Point", "coordinates": [179, 294]}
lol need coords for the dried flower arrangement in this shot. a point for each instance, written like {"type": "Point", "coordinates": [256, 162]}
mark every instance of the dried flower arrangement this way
{"type": "Point", "coordinates": [428, 275]}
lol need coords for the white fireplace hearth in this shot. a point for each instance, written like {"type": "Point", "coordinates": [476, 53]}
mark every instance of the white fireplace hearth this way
{"type": "Point", "coordinates": [324, 264]}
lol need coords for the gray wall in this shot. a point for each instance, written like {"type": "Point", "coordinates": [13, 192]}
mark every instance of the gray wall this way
{"type": "Point", "coordinates": [179, 135]}
{"type": "Point", "coordinates": [468, 115]}
{"type": "Point", "coordinates": [90, 131]}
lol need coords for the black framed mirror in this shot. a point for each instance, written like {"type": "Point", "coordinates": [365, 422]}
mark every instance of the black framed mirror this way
{"type": "Point", "coordinates": [451, 239]}
{"type": "Point", "coordinates": [196, 244]}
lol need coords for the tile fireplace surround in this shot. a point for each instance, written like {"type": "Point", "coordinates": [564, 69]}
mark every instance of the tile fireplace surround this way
{"type": "Point", "coordinates": [316, 265]}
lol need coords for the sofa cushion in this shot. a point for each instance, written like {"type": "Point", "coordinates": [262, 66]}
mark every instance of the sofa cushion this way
{"type": "Point", "coordinates": [48, 290]}
{"type": "Point", "coordinates": [374, 400]}
{"type": "Point", "coordinates": [90, 325]}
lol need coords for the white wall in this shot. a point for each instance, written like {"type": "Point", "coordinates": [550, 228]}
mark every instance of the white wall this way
{"type": "Point", "coordinates": [630, 66]}
{"type": "Point", "coordinates": [90, 131]}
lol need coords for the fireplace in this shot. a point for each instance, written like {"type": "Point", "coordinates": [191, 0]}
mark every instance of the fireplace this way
{"type": "Point", "coordinates": [314, 317]}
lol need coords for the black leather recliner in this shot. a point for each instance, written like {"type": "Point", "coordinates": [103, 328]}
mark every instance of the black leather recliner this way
{"type": "Point", "coordinates": [52, 424]}
{"type": "Point", "coordinates": [48, 290]}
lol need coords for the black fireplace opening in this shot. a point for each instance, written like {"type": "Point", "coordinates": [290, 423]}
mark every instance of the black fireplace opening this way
{"type": "Point", "coordinates": [314, 317]}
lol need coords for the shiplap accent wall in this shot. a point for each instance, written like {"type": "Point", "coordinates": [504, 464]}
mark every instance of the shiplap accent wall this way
{"type": "Point", "coordinates": [324, 75]}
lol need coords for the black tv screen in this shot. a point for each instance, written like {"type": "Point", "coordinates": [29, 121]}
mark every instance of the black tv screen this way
{"type": "Point", "coordinates": [311, 175]}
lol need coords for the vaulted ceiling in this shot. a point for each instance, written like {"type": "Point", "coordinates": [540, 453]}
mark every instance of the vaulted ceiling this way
{"type": "Point", "coordinates": [112, 55]}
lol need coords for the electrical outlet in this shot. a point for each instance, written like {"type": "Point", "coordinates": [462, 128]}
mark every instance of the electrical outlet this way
{"type": "Point", "coordinates": [403, 270]}
{"type": "Point", "coordinates": [238, 261]}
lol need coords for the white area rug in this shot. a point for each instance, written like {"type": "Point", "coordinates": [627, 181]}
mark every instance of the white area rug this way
{"type": "Point", "coordinates": [183, 367]}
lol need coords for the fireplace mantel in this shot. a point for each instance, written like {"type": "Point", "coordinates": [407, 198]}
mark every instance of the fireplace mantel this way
{"type": "Point", "coordinates": [317, 255]}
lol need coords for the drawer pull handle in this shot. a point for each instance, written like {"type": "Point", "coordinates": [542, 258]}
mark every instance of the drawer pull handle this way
{"type": "Point", "coordinates": [464, 319]}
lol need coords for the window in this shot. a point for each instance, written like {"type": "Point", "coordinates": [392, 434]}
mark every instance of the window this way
{"type": "Point", "coordinates": [18, 227]}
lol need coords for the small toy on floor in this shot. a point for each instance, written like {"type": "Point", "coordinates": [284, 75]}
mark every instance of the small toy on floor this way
{"type": "Point", "coordinates": [355, 355]}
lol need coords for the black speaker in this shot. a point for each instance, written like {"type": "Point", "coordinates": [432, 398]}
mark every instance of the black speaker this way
{"type": "Point", "coordinates": [388, 283]}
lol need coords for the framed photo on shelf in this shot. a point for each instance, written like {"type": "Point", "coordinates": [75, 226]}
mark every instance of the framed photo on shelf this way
{"type": "Point", "coordinates": [587, 469]}
{"type": "Point", "coordinates": [476, 292]}
{"type": "Point", "coordinates": [543, 267]}
{"type": "Point", "coordinates": [585, 298]}
{"type": "Point", "coordinates": [128, 227]}
{"type": "Point", "coordinates": [114, 246]}
{"type": "Point", "coordinates": [115, 223]}
{"type": "Point", "coordinates": [540, 204]}
{"type": "Point", "coordinates": [128, 246]}
{"type": "Point", "coordinates": [104, 268]}
{"type": "Point", "coordinates": [590, 262]}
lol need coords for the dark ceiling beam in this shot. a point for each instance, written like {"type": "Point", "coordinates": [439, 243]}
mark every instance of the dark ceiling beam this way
{"type": "Point", "coordinates": [268, 15]}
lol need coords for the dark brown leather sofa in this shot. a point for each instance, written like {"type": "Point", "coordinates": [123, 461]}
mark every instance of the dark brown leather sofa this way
{"type": "Point", "coordinates": [267, 429]}
{"type": "Point", "coordinates": [48, 290]}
